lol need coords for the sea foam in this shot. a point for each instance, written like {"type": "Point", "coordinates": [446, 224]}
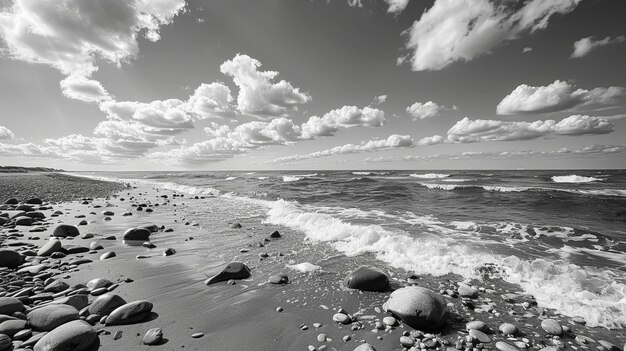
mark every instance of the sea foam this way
{"type": "Point", "coordinates": [572, 178]}
{"type": "Point", "coordinates": [430, 175]}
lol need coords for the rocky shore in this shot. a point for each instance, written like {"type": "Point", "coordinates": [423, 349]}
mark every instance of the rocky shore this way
{"type": "Point", "coordinates": [151, 269]}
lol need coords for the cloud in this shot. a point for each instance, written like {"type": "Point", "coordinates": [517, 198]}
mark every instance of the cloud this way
{"type": "Point", "coordinates": [392, 142]}
{"type": "Point", "coordinates": [345, 117]}
{"type": "Point", "coordinates": [584, 46]}
{"type": "Point", "coordinates": [6, 133]}
{"type": "Point", "coordinates": [396, 6]}
{"type": "Point", "coordinates": [27, 150]}
{"type": "Point", "coordinates": [258, 95]}
{"type": "Point", "coordinates": [212, 100]}
{"type": "Point", "coordinates": [424, 110]}
{"type": "Point", "coordinates": [378, 100]}
{"type": "Point", "coordinates": [558, 96]}
{"type": "Point", "coordinates": [527, 49]}
{"type": "Point", "coordinates": [70, 35]}
{"type": "Point", "coordinates": [460, 30]}
{"type": "Point", "coordinates": [591, 150]}
{"type": "Point", "coordinates": [480, 130]}
{"type": "Point", "coordinates": [79, 87]}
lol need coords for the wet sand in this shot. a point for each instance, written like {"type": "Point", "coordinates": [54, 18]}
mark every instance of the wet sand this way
{"type": "Point", "coordinates": [243, 315]}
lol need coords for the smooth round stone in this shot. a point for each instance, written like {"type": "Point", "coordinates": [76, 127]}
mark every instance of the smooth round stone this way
{"type": "Point", "coordinates": [94, 245]}
{"type": "Point", "coordinates": [10, 258]}
{"type": "Point", "coordinates": [579, 320]}
{"type": "Point", "coordinates": [12, 201]}
{"type": "Point", "coordinates": [108, 213]}
{"type": "Point", "coordinates": [5, 342]}
{"type": "Point", "coordinates": [56, 286]}
{"type": "Point", "coordinates": [233, 270]}
{"type": "Point", "coordinates": [107, 255]}
{"type": "Point", "coordinates": [130, 313]}
{"type": "Point", "coordinates": [467, 291]}
{"type": "Point", "coordinates": [10, 305]}
{"type": "Point", "coordinates": [390, 321]}
{"type": "Point", "coordinates": [98, 283]}
{"type": "Point", "coordinates": [280, 278]}
{"type": "Point", "coordinates": [478, 335]}
{"type": "Point", "coordinates": [418, 307]}
{"type": "Point", "coordinates": [407, 341]}
{"type": "Point", "coordinates": [50, 247]}
{"type": "Point", "coordinates": [478, 325]}
{"type": "Point", "coordinates": [169, 252]}
{"type": "Point", "coordinates": [197, 335]}
{"type": "Point", "coordinates": [503, 346]}
{"type": "Point", "coordinates": [364, 347]}
{"type": "Point", "coordinates": [23, 220]}
{"type": "Point", "coordinates": [22, 335]}
{"type": "Point", "coordinates": [12, 327]}
{"type": "Point", "coordinates": [153, 336]}
{"type": "Point", "coordinates": [508, 329]}
{"type": "Point", "coordinates": [342, 318]}
{"type": "Point", "coordinates": [551, 326]}
{"type": "Point", "coordinates": [321, 337]}
{"type": "Point", "coordinates": [142, 234]}
{"type": "Point", "coordinates": [65, 230]}
{"type": "Point", "coordinates": [34, 201]}
{"type": "Point", "coordinates": [49, 317]}
{"type": "Point", "coordinates": [99, 291]}
{"type": "Point", "coordinates": [367, 279]}
{"type": "Point", "coordinates": [87, 236]}
{"type": "Point", "coordinates": [75, 335]}
{"type": "Point", "coordinates": [105, 304]}
{"type": "Point", "coordinates": [150, 227]}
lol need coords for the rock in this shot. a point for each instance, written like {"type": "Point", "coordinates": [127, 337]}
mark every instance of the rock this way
{"type": "Point", "coordinates": [34, 201]}
{"type": "Point", "coordinates": [151, 227]}
{"type": "Point", "coordinates": [50, 247]}
{"type": "Point", "coordinates": [508, 329]}
{"type": "Point", "coordinates": [275, 234]}
{"type": "Point", "coordinates": [367, 279]}
{"type": "Point", "coordinates": [95, 246]}
{"type": "Point", "coordinates": [87, 236]}
{"type": "Point", "coordinates": [11, 201]}
{"type": "Point", "coordinates": [279, 278]}
{"type": "Point", "coordinates": [10, 305]}
{"type": "Point", "coordinates": [478, 335]}
{"type": "Point", "coordinates": [153, 336]}
{"type": "Point", "coordinates": [478, 325]}
{"type": "Point", "coordinates": [129, 313]}
{"type": "Point", "coordinates": [65, 230]}
{"type": "Point", "coordinates": [467, 291]}
{"type": "Point", "coordinates": [140, 234]}
{"type": "Point", "coordinates": [56, 286]}
{"type": "Point", "coordinates": [364, 347]}
{"type": "Point", "coordinates": [418, 307]}
{"type": "Point", "coordinates": [233, 270]}
{"type": "Point", "coordinates": [342, 318]}
{"type": "Point", "coordinates": [502, 346]}
{"type": "Point", "coordinates": [107, 255]}
{"type": "Point", "coordinates": [51, 316]}
{"type": "Point", "coordinates": [390, 321]}
{"type": "Point", "coordinates": [169, 252]}
{"type": "Point", "coordinates": [10, 258]}
{"type": "Point", "coordinates": [98, 283]}
{"type": "Point", "coordinates": [78, 301]}
{"type": "Point", "coordinates": [407, 341]}
{"type": "Point", "coordinates": [607, 345]}
{"type": "Point", "coordinates": [235, 225]}
{"type": "Point", "coordinates": [108, 213]}
{"type": "Point", "coordinates": [12, 327]}
{"type": "Point", "coordinates": [23, 220]}
{"type": "Point", "coordinates": [75, 335]}
{"type": "Point", "coordinates": [105, 304]}
{"type": "Point", "coordinates": [551, 326]}
{"type": "Point", "coordinates": [5, 342]}
{"type": "Point", "coordinates": [197, 335]}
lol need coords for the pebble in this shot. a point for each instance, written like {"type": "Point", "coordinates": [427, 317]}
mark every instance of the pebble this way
{"type": "Point", "coordinates": [508, 329]}
{"type": "Point", "coordinates": [342, 318]}
{"type": "Point", "coordinates": [407, 342]}
{"type": "Point", "coordinates": [478, 335]}
{"type": "Point", "coordinates": [197, 335]}
{"type": "Point", "coordinates": [607, 345]}
{"type": "Point", "coordinates": [503, 346]}
{"type": "Point", "coordinates": [551, 326]}
{"type": "Point", "coordinates": [153, 336]}
{"type": "Point", "coordinates": [478, 325]}
{"type": "Point", "coordinates": [321, 337]}
{"type": "Point", "coordinates": [390, 321]}
{"type": "Point", "coordinates": [117, 335]}
{"type": "Point", "coordinates": [107, 255]}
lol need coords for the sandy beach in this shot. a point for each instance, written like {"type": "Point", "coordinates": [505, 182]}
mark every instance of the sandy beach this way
{"type": "Point", "coordinates": [192, 239]}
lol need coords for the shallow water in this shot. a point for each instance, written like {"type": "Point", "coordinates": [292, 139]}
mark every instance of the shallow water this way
{"type": "Point", "coordinates": [559, 235]}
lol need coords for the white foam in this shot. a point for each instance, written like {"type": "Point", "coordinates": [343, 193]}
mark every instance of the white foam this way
{"type": "Point", "coordinates": [263, 178]}
{"type": "Point", "coordinates": [429, 175]}
{"type": "Point", "coordinates": [458, 180]}
{"type": "Point", "coordinates": [288, 179]}
{"type": "Point", "coordinates": [505, 189]}
{"type": "Point", "coordinates": [231, 178]}
{"type": "Point", "coordinates": [304, 267]}
{"type": "Point", "coordinates": [572, 178]}
{"type": "Point", "coordinates": [443, 186]}
{"type": "Point", "coordinates": [362, 173]}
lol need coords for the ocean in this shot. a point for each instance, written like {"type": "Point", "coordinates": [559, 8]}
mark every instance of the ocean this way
{"type": "Point", "coordinates": [559, 235]}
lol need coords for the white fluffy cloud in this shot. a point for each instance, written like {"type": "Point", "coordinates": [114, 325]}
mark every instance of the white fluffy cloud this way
{"type": "Point", "coordinates": [79, 87]}
{"type": "Point", "coordinates": [584, 46]}
{"type": "Point", "coordinates": [421, 110]}
{"type": "Point", "coordinates": [27, 150]}
{"type": "Point", "coordinates": [258, 94]}
{"type": "Point", "coordinates": [396, 6]}
{"type": "Point", "coordinates": [345, 117]}
{"type": "Point", "coordinates": [70, 34]}
{"type": "Point", "coordinates": [212, 100]}
{"type": "Point", "coordinates": [6, 133]}
{"type": "Point", "coordinates": [480, 130]}
{"type": "Point", "coordinates": [392, 142]}
{"type": "Point", "coordinates": [591, 150]}
{"type": "Point", "coordinates": [460, 30]}
{"type": "Point", "coordinates": [557, 96]}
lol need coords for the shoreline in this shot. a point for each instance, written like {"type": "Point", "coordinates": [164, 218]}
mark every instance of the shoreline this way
{"type": "Point", "coordinates": [243, 316]}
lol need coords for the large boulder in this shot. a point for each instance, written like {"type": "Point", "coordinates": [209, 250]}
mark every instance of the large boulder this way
{"type": "Point", "coordinates": [418, 307]}
{"type": "Point", "coordinates": [23, 220]}
{"type": "Point", "coordinates": [105, 304]}
{"type": "Point", "coordinates": [10, 305]}
{"type": "Point", "coordinates": [141, 234]}
{"type": "Point", "coordinates": [50, 247]}
{"type": "Point", "coordinates": [130, 313]}
{"type": "Point", "coordinates": [75, 335]}
{"type": "Point", "coordinates": [233, 270]}
{"type": "Point", "coordinates": [65, 230]}
{"type": "Point", "coordinates": [10, 258]}
{"type": "Point", "coordinates": [51, 316]}
{"type": "Point", "coordinates": [367, 279]}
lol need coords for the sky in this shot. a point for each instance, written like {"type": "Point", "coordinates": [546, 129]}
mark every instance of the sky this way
{"type": "Point", "coordinates": [312, 84]}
